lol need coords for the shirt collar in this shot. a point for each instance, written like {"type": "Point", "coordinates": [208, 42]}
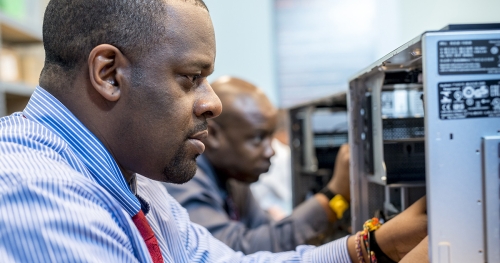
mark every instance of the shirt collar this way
{"type": "Point", "coordinates": [45, 109]}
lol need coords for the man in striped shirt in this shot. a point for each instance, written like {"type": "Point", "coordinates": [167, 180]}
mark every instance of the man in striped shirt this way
{"type": "Point", "coordinates": [124, 91]}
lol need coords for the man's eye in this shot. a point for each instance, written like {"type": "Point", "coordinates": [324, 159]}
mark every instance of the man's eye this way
{"type": "Point", "coordinates": [257, 139]}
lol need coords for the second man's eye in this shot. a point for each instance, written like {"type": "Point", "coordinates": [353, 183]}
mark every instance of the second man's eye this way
{"type": "Point", "coordinates": [257, 139]}
{"type": "Point", "coordinates": [193, 78]}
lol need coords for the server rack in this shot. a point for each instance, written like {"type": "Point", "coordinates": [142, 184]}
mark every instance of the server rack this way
{"type": "Point", "coordinates": [425, 118]}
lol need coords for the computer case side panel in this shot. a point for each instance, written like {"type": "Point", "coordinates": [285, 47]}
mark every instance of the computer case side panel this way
{"type": "Point", "coordinates": [455, 100]}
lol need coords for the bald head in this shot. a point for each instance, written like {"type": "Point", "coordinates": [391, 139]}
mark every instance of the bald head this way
{"type": "Point", "coordinates": [240, 97]}
{"type": "Point", "coordinates": [239, 141]}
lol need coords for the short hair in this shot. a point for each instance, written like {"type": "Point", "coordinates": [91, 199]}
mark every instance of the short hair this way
{"type": "Point", "coordinates": [72, 28]}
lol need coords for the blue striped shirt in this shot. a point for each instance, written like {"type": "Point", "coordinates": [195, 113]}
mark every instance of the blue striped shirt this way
{"type": "Point", "coordinates": [64, 199]}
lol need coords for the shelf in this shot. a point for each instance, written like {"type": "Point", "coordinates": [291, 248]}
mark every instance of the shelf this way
{"type": "Point", "coordinates": [16, 32]}
{"type": "Point", "coordinates": [403, 86]}
{"type": "Point", "coordinates": [419, 139]}
{"type": "Point", "coordinates": [318, 172]}
{"type": "Point", "coordinates": [407, 184]}
{"type": "Point", "coordinates": [18, 89]}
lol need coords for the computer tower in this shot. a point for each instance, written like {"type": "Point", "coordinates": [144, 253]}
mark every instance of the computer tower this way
{"type": "Point", "coordinates": [317, 130]}
{"type": "Point", "coordinates": [426, 119]}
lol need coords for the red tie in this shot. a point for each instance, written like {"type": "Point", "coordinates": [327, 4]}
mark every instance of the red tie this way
{"type": "Point", "coordinates": [232, 209]}
{"type": "Point", "coordinates": [148, 235]}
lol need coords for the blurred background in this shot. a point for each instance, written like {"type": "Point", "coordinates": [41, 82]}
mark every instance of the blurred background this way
{"type": "Point", "coordinates": [298, 50]}
{"type": "Point", "coordinates": [295, 50]}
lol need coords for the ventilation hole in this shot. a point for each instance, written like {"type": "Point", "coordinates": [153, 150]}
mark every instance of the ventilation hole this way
{"type": "Point", "coordinates": [451, 136]}
{"type": "Point", "coordinates": [408, 148]}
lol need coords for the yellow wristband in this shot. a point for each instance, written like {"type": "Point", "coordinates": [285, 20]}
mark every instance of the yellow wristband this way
{"type": "Point", "coordinates": [338, 204]}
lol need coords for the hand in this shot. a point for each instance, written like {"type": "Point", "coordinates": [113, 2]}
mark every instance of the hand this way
{"type": "Point", "coordinates": [340, 182]}
{"type": "Point", "coordinates": [276, 213]}
{"type": "Point", "coordinates": [401, 234]}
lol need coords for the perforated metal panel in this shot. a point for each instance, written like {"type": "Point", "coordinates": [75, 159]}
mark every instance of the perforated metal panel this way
{"type": "Point", "coordinates": [407, 128]}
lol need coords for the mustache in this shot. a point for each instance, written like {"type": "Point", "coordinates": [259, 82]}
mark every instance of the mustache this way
{"type": "Point", "coordinates": [198, 128]}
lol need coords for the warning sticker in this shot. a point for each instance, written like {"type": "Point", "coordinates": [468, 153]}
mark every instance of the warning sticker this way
{"type": "Point", "coordinates": [469, 57]}
{"type": "Point", "coordinates": [469, 99]}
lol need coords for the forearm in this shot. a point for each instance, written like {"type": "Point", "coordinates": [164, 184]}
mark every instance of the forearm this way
{"type": "Point", "coordinates": [323, 202]}
{"type": "Point", "coordinates": [351, 248]}
{"type": "Point", "coordinates": [333, 252]}
{"type": "Point", "coordinates": [238, 237]}
{"type": "Point", "coordinates": [306, 222]}
{"type": "Point", "coordinates": [419, 254]}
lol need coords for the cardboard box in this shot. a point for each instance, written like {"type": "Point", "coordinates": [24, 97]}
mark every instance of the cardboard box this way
{"type": "Point", "coordinates": [32, 58]}
{"type": "Point", "coordinates": [9, 65]}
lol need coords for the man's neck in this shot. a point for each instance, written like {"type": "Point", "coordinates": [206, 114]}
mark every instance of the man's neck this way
{"type": "Point", "coordinates": [222, 178]}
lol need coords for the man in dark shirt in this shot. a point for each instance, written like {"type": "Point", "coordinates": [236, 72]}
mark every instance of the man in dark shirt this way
{"type": "Point", "coordinates": [238, 150]}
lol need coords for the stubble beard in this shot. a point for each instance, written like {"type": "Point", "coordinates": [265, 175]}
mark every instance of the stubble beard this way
{"type": "Point", "coordinates": [181, 168]}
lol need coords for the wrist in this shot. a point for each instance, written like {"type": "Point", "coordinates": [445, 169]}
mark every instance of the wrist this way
{"type": "Point", "coordinates": [323, 202]}
{"type": "Point", "coordinates": [385, 243]}
{"type": "Point", "coordinates": [336, 202]}
{"type": "Point", "coordinates": [329, 193]}
{"type": "Point", "coordinates": [382, 257]}
{"type": "Point", "coordinates": [356, 249]}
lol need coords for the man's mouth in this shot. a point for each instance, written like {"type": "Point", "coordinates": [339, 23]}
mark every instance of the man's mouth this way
{"type": "Point", "coordinates": [196, 138]}
{"type": "Point", "coordinates": [199, 135]}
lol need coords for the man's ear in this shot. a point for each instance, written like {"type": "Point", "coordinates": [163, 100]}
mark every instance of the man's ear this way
{"type": "Point", "coordinates": [107, 66]}
{"type": "Point", "coordinates": [213, 141]}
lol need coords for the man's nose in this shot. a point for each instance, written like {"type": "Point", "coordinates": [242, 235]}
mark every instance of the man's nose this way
{"type": "Point", "coordinates": [268, 148]}
{"type": "Point", "coordinates": [208, 103]}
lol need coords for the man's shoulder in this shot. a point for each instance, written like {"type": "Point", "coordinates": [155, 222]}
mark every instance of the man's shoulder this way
{"type": "Point", "coordinates": [18, 134]}
{"type": "Point", "coordinates": [29, 152]}
{"type": "Point", "coordinates": [22, 166]}
{"type": "Point", "coordinates": [37, 166]}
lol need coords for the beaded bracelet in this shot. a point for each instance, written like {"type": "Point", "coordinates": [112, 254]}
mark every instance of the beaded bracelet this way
{"type": "Point", "coordinates": [359, 253]}
{"type": "Point", "coordinates": [370, 225]}
{"type": "Point", "coordinates": [376, 249]}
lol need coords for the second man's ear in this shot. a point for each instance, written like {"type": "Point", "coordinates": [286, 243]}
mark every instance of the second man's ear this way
{"type": "Point", "coordinates": [106, 64]}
